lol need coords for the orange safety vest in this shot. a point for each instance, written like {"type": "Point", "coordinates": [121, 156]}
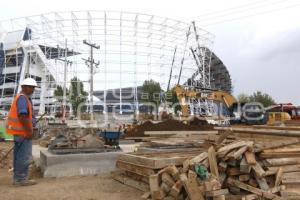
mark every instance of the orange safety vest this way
{"type": "Point", "coordinates": [13, 123]}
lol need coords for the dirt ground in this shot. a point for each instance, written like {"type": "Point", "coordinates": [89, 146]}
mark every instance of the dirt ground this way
{"type": "Point", "coordinates": [73, 188]}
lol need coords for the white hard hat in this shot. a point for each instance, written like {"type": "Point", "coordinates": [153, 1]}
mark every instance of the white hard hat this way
{"type": "Point", "coordinates": [29, 82]}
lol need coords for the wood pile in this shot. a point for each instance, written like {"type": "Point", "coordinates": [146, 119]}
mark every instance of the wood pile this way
{"type": "Point", "coordinates": [241, 163]}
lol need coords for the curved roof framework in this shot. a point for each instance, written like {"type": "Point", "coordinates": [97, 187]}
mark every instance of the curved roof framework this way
{"type": "Point", "coordinates": [133, 47]}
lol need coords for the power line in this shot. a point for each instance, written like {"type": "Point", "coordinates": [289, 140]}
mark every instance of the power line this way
{"type": "Point", "coordinates": [252, 15]}
{"type": "Point", "coordinates": [225, 10]}
{"type": "Point", "coordinates": [220, 15]}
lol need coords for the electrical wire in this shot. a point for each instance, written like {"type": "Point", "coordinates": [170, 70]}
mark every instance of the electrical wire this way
{"type": "Point", "coordinates": [220, 15]}
{"type": "Point", "coordinates": [229, 9]}
{"type": "Point", "coordinates": [252, 15]}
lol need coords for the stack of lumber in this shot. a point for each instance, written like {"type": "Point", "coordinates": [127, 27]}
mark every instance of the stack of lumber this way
{"type": "Point", "coordinates": [241, 163]}
{"type": "Point", "coordinates": [134, 169]}
{"type": "Point", "coordinates": [279, 149]}
{"type": "Point", "coordinates": [235, 172]}
{"type": "Point", "coordinates": [161, 140]}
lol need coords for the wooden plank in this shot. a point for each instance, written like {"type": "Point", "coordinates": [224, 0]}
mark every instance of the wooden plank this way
{"type": "Point", "coordinates": [216, 193]}
{"type": "Point", "coordinates": [244, 177]}
{"type": "Point", "coordinates": [118, 176]}
{"type": "Point", "coordinates": [276, 144]}
{"type": "Point", "coordinates": [158, 160]}
{"type": "Point", "coordinates": [250, 197]}
{"type": "Point", "coordinates": [244, 166]}
{"type": "Point", "coordinates": [179, 133]}
{"type": "Point", "coordinates": [285, 168]}
{"type": "Point", "coordinates": [176, 189]}
{"type": "Point", "coordinates": [234, 145]}
{"type": "Point", "coordinates": [166, 188]}
{"type": "Point", "coordinates": [191, 186]}
{"type": "Point", "coordinates": [290, 133]}
{"type": "Point", "coordinates": [167, 179]}
{"type": "Point", "coordinates": [143, 171]}
{"type": "Point", "coordinates": [261, 182]}
{"type": "Point", "coordinates": [251, 189]}
{"type": "Point", "coordinates": [199, 158]}
{"type": "Point", "coordinates": [290, 181]}
{"type": "Point", "coordinates": [156, 191]}
{"type": "Point", "coordinates": [212, 159]}
{"type": "Point", "coordinates": [233, 171]}
{"type": "Point", "coordinates": [283, 161]}
{"type": "Point", "coordinates": [239, 152]}
{"type": "Point", "coordinates": [223, 136]}
{"type": "Point", "coordinates": [146, 195]}
{"type": "Point", "coordinates": [173, 171]}
{"type": "Point", "coordinates": [277, 189]}
{"type": "Point", "coordinates": [278, 177]}
{"type": "Point", "coordinates": [279, 155]}
{"type": "Point", "coordinates": [220, 197]}
{"type": "Point", "coordinates": [258, 170]}
{"type": "Point", "coordinates": [296, 128]}
{"type": "Point", "coordinates": [250, 158]}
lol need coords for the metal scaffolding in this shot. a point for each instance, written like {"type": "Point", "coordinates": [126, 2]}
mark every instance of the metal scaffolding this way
{"type": "Point", "coordinates": [134, 48]}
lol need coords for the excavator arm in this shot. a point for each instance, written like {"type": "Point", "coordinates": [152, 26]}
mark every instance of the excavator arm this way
{"type": "Point", "coordinates": [219, 96]}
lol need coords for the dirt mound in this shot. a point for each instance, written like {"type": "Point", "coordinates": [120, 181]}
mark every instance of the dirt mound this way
{"type": "Point", "coordinates": [168, 125]}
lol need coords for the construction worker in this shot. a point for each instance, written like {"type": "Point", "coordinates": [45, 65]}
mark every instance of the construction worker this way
{"type": "Point", "coordinates": [20, 123]}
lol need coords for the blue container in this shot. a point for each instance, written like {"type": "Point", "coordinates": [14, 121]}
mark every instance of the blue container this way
{"type": "Point", "coordinates": [113, 135]}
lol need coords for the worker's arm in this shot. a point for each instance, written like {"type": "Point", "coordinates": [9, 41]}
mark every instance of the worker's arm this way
{"type": "Point", "coordinates": [23, 113]}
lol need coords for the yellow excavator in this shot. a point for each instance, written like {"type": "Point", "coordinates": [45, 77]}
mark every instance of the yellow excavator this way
{"type": "Point", "coordinates": [215, 95]}
{"type": "Point", "coordinates": [248, 114]}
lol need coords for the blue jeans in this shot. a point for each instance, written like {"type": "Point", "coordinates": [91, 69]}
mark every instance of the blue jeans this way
{"type": "Point", "coordinates": [22, 157]}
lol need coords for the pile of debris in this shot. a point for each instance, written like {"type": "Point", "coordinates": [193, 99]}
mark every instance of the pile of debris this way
{"type": "Point", "coordinates": [168, 125]}
{"type": "Point", "coordinates": [240, 163]}
{"type": "Point", "coordinates": [233, 171]}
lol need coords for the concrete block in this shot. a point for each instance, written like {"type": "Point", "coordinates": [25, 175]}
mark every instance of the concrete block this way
{"type": "Point", "coordinates": [85, 164]}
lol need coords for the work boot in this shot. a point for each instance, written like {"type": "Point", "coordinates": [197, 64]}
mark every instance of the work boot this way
{"type": "Point", "coordinates": [25, 183]}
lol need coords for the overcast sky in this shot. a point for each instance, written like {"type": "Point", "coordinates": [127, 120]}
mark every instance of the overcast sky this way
{"type": "Point", "coordinates": [258, 41]}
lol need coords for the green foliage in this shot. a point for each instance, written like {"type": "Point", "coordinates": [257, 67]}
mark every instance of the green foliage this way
{"type": "Point", "coordinates": [257, 96]}
{"type": "Point", "coordinates": [151, 92]}
{"type": "Point", "coordinates": [243, 98]}
{"type": "Point", "coordinates": [58, 93]}
{"type": "Point", "coordinates": [171, 97]}
{"type": "Point", "coordinates": [77, 94]}
{"type": "Point", "coordinates": [263, 98]}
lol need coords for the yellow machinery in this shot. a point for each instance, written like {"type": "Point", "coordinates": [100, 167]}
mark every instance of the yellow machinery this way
{"type": "Point", "coordinates": [277, 117]}
{"type": "Point", "coordinates": [215, 95]}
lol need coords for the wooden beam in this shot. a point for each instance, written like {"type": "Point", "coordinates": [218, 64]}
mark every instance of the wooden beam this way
{"type": "Point", "coordinates": [278, 177]}
{"type": "Point", "coordinates": [119, 176]}
{"type": "Point", "coordinates": [250, 158]}
{"type": "Point", "coordinates": [253, 190]}
{"type": "Point", "coordinates": [258, 170]}
{"type": "Point", "coordinates": [191, 186]}
{"type": "Point", "coordinates": [290, 133]}
{"type": "Point", "coordinates": [143, 171]}
{"type": "Point", "coordinates": [212, 159]}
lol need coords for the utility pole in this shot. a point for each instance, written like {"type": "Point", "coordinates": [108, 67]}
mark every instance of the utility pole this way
{"type": "Point", "coordinates": [90, 62]}
{"type": "Point", "coordinates": [66, 63]}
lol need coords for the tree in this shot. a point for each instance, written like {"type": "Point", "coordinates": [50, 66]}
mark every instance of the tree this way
{"type": "Point", "coordinates": [172, 98]}
{"type": "Point", "coordinates": [77, 94]}
{"type": "Point", "coordinates": [263, 98]}
{"type": "Point", "coordinates": [151, 93]}
{"type": "Point", "coordinates": [243, 98]}
{"type": "Point", "coordinates": [59, 92]}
